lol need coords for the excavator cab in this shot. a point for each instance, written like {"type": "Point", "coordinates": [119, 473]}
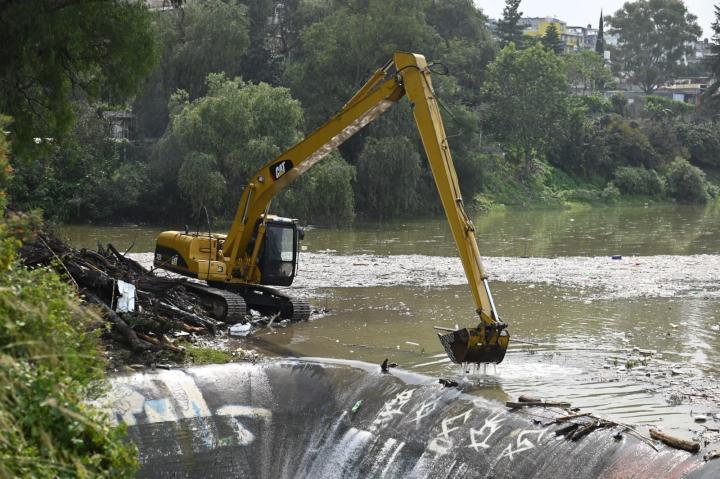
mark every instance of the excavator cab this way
{"type": "Point", "coordinates": [279, 252]}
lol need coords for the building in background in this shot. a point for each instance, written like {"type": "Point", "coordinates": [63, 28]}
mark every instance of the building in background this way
{"type": "Point", "coordinates": [574, 38]}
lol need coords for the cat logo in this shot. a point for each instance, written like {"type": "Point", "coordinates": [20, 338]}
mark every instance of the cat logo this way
{"type": "Point", "coordinates": [280, 168]}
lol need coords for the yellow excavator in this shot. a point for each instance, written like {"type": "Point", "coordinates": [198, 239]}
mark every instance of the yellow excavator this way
{"type": "Point", "coordinates": [261, 250]}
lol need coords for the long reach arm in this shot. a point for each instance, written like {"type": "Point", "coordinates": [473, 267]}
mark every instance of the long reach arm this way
{"type": "Point", "coordinates": [411, 77]}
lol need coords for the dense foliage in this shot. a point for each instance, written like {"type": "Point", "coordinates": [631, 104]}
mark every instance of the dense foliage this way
{"type": "Point", "coordinates": [52, 52]}
{"type": "Point", "coordinates": [238, 81]}
{"type": "Point", "coordinates": [49, 367]}
{"type": "Point", "coordinates": [654, 36]}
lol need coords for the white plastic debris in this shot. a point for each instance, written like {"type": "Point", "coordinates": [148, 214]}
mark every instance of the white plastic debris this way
{"type": "Point", "coordinates": [240, 330]}
{"type": "Point", "coordinates": [126, 298]}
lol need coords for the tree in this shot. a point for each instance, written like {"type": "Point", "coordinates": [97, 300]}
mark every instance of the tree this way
{"type": "Point", "coordinates": [339, 53]}
{"type": "Point", "coordinates": [196, 39]}
{"type": "Point", "coordinates": [710, 97]}
{"type": "Point", "coordinates": [653, 38]}
{"type": "Point", "coordinates": [232, 131]}
{"type": "Point", "coordinates": [388, 164]}
{"type": "Point", "coordinates": [600, 42]}
{"type": "Point", "coordinates": [551, 39]}
{"type": "Point", "coordinates": [526, 100]}
{"type": "Point", "coordinates": [586, 71]}
{"type": "Point", "coordinates": [216, 142]}
{"type": "Point", "coordinates": [52, 51]}
{"type": "Point", "coordinates": [509, 29]}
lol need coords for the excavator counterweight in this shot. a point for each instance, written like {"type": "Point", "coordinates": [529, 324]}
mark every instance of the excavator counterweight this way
{"type": "Point", "coordinates": [261, 250]}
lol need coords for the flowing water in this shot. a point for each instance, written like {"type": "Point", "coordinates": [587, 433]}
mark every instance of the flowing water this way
{"type": "Point", "coordinates": [381, 288]}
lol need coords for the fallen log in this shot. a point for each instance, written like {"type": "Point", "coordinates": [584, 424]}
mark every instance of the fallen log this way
{"type": "Point", "coordinates": [118, 323]}
{"type": "Point", "coordinates": [674, 441]}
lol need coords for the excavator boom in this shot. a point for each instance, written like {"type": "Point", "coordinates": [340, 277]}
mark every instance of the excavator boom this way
{"type": "Point", "coordinates": [237, 256]}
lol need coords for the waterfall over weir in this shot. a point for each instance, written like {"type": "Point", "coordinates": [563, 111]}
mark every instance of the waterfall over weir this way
{"type": "Point", "coordinates": [304, 419]}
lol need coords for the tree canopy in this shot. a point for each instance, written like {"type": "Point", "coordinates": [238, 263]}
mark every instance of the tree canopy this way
{"type": "Point", "coordinates": [197, 39]}
{"type": "Point", "coordinates": [227, 135]}
{"type": "Point", "coordinates": [587, 71]}
{"type": "Point", "coordinates": [710, 98]}
{"type": "Point", "coordinates": [551, 39]}
{"type": "Point", "coordinates": [526, 94]}
{"type": "Point", "coordinates": [48, 57]}
{"type": "Point", "coordinates": [509, 29]}
{"type": "Point", "coordinates": [653, 38]}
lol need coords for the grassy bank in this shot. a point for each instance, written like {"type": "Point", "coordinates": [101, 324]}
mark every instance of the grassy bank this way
{"type": "Point", "coordinates": [543, 186]}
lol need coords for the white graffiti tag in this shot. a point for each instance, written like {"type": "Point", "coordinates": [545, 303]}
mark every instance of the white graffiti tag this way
{"type": "Point", "coordinates": [422, 412]}
{"type": "Point", "coordinates": [523, 443]}
{"type": "Point", "coordinates": [391, 409]}
{"type": "Point", "coordinates": [443, 443]}
{"type": "Point", "coordinates": [490, 427]}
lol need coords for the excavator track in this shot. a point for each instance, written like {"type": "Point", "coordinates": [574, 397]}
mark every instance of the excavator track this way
{"type": "Point", "coordinates": [269, 301]}
{"type": "Point", "coordinates": [226, 306]}
{"type": "Point", "coordinates": [300, 310]}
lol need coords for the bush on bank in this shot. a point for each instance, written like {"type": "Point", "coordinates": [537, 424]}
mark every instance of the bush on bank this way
{"type": "Point", "coordinates": [50, 365]}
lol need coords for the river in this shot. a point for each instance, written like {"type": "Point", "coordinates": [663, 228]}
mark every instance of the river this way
{"type": "Point", "coordinates": [636, 339]}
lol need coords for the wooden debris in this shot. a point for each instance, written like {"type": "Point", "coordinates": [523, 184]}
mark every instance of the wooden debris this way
{"type": "Point", "coordinates": [674, 441]}
{"type": "Point", "coordinates": [166, 306]}
{"type": "Point", "coordinates": [524, 398]}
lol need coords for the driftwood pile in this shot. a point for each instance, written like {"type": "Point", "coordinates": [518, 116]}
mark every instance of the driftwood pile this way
{"type": "Point", "coordinates": [165, 309]}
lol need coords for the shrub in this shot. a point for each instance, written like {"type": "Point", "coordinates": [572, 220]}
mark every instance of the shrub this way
{"type": "Point", "coordinates": [610, 193]}
{"type": "Point", "coordinates": [702, 141]}
{"type": "Point", "coordinates": [628, 145]}
{"type": "Point", "coordinates": [687, 183]}
{"type": "Point", "coordinates": [661, 107]}
{"type": "Point", "coordinates": [49, 367]}
{"type": "Point", "coordinates": [639, 181]}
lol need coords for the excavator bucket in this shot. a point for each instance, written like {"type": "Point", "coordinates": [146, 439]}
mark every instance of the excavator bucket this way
{"type": "Point", "coordinates": [475, 345]}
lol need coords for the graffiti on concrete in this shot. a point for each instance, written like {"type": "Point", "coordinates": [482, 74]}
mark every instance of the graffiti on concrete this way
{"type": "Point", "coordinates": [391, 409]}
{"type": "Point", "coordinates": [185, 401]}
{"type": "Point", "coordinates": [479, 437]}
{"type": "Point", "coordinates": [171, 396]}
{"type": "Point", "coordinates": [523, 442]}
{"type": "Point", "coordinates": [445, 441]}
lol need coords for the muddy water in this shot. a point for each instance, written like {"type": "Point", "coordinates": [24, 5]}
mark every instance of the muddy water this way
{"type": "Point", "coordinates": [385, 286]}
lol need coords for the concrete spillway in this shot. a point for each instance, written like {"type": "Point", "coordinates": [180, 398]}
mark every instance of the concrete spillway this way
{"type": "Point", "coordinates": [293, 419]}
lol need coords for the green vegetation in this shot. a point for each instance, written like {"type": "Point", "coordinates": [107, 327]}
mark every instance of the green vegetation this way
{"type": "Point", "coordinates": [509, 28]}
{"type": "Point", "coordinates": [653, 38]}
{"type": "Point", "coordinates": [238, 81]}
{"type": "Point", "coordinates": [52, 53]}
{"type": "Point", "coordinates": [211, 355]}
{"type": "Point", "coordinates": [711, 101]}
{"type": "Point", "coordinates": [49, 367]}
{"type": "Point", "coordinates": [526, 101]}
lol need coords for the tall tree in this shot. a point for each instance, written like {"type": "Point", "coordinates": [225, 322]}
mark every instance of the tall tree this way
{"type": "Point", "coordinates": [586, 71]}
{"type": "Point", "coordinates": [551, 39]}
{"type": "Point", "coordinates": [653, 38]}
{"type": "Point", "coordinates": [526, 100]}
{"type": "Point", "coordinates": [197, 38]}
{"type": "Point", "coordinates": [509, 29]}
{"type": "Point", "coordinates": [710, 97]}
{"type": "Point", "coordinates": [600, 42]}
{"type": "Point", "coordinates": [52, 51]}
